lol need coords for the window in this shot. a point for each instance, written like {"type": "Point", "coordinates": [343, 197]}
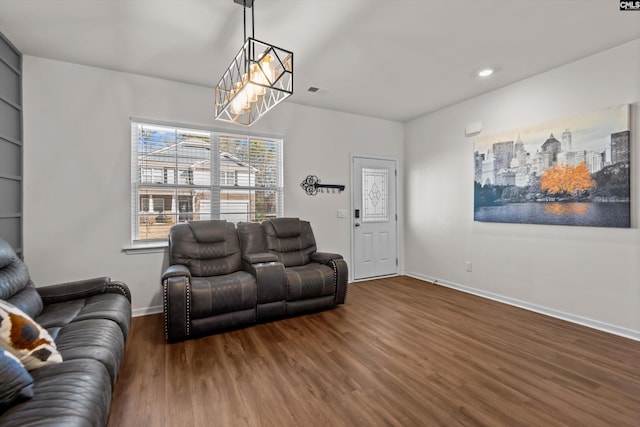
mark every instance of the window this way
{"type": "Point", "coordinates": [151, 176]}
{"type": "Point", "coordinates": [181, 174]}
{"type": "Point", "coordinates": [149, 204]}
{"type": "Point", "coordinates": [227, 177]}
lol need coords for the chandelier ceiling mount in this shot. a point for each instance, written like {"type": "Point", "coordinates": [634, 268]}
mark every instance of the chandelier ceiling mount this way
{"type": "Point", "coordinates": [259, 78]}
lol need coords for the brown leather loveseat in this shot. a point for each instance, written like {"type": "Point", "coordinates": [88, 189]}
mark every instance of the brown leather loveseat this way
{"type": "Point", "coordinates": [222, 277]}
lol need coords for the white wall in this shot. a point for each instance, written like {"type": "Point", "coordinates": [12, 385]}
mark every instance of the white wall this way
{"type": "Point", "coordinates": [77, 173]}
{"type": "Point", "coordinates": [588, 275]}
{"type": "Point", "coordinates": [77, 167]}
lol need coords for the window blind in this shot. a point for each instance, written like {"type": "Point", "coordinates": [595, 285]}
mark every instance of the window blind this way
{"type": "Point", "coordinates": [180, 174]}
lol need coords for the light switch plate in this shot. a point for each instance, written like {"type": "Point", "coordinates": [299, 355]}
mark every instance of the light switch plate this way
{"type": "Point", "coordinates": [342, 213]}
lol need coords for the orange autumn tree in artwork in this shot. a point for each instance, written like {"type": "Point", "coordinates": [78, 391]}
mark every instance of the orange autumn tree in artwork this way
{"type": "Point", "coordinates": [567, 180]}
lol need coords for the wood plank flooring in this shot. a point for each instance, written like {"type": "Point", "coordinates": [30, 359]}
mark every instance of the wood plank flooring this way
{"type": "Point", "coordinates": [401, 352]}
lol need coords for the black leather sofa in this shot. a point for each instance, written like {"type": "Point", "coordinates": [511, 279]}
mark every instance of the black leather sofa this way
{"type": "Point", "coordinates": [89, 321]}
{"type": "Point", "coordinates": [222, 277]}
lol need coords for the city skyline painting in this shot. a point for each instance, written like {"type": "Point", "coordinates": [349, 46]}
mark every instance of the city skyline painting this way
{"type": "Point", "coordinates": [571, 171]}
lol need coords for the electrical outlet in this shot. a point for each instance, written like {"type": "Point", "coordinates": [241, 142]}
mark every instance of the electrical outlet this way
{"type": "Point", "coordinates": [468, 266]}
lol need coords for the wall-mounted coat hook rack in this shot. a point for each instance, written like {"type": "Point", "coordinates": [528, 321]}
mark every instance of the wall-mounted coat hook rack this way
{"type": "Point", "coordinates": [311, 185]}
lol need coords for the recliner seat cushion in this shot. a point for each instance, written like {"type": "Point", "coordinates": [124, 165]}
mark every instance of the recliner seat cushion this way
{"type": "Point", "coordinates": [72, 393]}
{"type": "Point", "coordinates": [222, 294]}
{"type": "Point", "coordinates": [97, 339]}
{"type": "Point", "coordinates": [309, 281]}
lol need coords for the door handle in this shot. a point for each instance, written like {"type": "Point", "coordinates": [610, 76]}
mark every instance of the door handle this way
{"type": "Point", "coordinates": [357, 224]}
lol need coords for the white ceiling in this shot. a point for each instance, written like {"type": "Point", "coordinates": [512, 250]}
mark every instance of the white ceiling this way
{"type": "Point", "coordinates": [393, 59]}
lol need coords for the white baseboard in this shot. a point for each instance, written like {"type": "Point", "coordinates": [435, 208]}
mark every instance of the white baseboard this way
{"type": "Point", "coordinates": [595, 324]}
{"type": "Point", "coordinates": [375, 277]}
{"type": "Point", "coordinates": [146, 310]}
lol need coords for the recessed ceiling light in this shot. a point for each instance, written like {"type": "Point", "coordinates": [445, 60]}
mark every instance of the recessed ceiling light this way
{"type": "Point", "coordinates": [485, 73]}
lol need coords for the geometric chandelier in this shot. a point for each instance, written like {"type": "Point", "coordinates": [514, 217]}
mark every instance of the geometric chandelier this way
{"type": "Point", "coordinates": [258, 79]}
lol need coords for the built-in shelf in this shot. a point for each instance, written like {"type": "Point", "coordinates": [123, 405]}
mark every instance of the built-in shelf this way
{"type": "Point", "coordinates": [11, 135]}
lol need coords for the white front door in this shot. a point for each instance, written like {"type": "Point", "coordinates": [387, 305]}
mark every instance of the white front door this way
{"type": "Point", "coordinates": [374, 220]}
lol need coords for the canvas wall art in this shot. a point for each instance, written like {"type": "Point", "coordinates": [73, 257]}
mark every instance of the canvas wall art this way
{"type": "Point", "coordinates": [573, 171]}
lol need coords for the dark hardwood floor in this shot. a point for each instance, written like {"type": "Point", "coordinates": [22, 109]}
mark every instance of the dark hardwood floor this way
{"type": "Point", "coordinates": [401, 352]}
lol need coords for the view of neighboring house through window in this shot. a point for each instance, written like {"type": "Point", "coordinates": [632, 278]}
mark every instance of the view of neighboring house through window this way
{"type": "Point", "coordinates": [181, 174]}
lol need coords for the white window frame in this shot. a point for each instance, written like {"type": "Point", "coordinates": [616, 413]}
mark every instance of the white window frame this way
{"type": "Point", "coordinates": [139, 179]}
{"type": "Point", "coordinates": [228, 178]}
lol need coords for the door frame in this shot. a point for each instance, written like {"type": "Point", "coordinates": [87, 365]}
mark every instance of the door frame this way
{"type": "Point", "coordinates": [351, 219]}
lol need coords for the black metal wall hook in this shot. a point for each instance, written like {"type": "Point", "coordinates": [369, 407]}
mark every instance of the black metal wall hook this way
{"type": "Point", "coordinates": [311, 185]}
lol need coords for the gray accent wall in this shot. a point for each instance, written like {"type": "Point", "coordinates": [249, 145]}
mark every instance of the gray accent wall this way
{"type": "Point", "coordinates": [10, 144]}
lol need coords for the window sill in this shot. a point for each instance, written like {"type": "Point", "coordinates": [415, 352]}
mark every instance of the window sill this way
{"type": "Point", "coordinates": [145, 248]}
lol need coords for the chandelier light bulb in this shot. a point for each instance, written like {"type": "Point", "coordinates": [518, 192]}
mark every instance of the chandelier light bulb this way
{"type": "Point", "coordinates": [236, 106]}
{"type": "Point", "coordinates": [257, 77]}
{"type": "Point", "coordinates": [249, 88]}
{"type": "Point", "coordinates": [241, 100]}
{"type": "Point", "coordinates": [267, 71]}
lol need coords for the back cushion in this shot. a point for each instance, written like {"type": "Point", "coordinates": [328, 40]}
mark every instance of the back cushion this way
{"type": "Point", "coordinates": [16, 286]}
{"type": "Point", "coordinates": [207, 248]}
{"type": "Point", "coordinates": [290, 239]}
{"type": "Point", "coordinates": [251, 238]}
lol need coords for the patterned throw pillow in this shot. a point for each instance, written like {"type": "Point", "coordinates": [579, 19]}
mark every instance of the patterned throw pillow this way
{"type": "Point", "coordinates": [25, 339]}
{"type": "Point", "coordinates": [16, 384]}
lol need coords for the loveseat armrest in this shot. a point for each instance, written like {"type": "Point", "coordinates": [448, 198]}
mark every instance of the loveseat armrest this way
{"type": "Point", "coordinates": [176, 270]}
{"type": "Point", "coordinates": [62, 292]}
{"type": "Point", "coordinates": [259, 258]}
{"type": "Point", "coordinates": [271, 289]}
{"type": "Point", "coordinates": [176, 301]}
{"type": "Point", "coordinates": [341, 272]}
{"type": "Point", "coordinates": [270, 281]}
{"type": "Point", "coordinates": [324, 257]}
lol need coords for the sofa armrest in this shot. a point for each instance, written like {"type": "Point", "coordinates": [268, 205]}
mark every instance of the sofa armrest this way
{"type": "Point", "coordinates": [176, 270]}
{"type": "Point", "coordinates": [324, 257]}
{"type": "Point", "coordinates": [176, 301]}
{"type": "Point", "coordinates": [259, 258]}
{"type": "Point", "coordinates": [117, 287]}
{"type": "Point", "coordinates": [74, 290]}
